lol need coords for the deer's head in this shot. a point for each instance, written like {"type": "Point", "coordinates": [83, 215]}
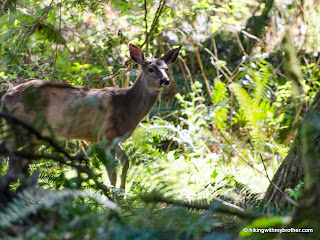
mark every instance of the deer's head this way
{"type": "Point", "coordinates": [154, 70]}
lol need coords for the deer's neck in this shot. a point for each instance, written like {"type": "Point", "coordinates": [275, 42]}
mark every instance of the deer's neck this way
{"type": "Point", "coordinates": [142, 97]}
{"type": "Point", "coordinates": [130, 107]}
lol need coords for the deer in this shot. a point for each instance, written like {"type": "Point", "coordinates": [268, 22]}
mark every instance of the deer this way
{"type": "Point", "coordinates": [75, 112]}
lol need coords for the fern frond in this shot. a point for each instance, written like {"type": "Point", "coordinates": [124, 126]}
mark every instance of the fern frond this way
{"type": "Point", "coordinates": [31, 201]}
{"type": "Point", "coordinates": [145, 140]}
{"type": "Point", "coordinates": [242, 189]}
{"type": "Point", "coordinates": [251, 111]}
{"type": "Point", "coordinates": [220, 93]}
{"type": "Point", "coordinates": [261, 80]}
{"type": "Point", "coordinates": [262, 208]}
{"type": "Point", "coordinates": [9, 34]}
{"type": "Point", "coordinates": [22, 26]}
{"type": "Point", "coordinates": [50, 32]}
{"type": "Point", "coordinates": [168, 131]}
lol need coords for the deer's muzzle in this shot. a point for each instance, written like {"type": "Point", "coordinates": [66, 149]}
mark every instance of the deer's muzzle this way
{"type": "Point", "coordinates": [164, 81]}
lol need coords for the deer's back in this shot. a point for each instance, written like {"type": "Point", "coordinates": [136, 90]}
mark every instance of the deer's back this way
{"type": "Point", "coordinates": [73, 112]}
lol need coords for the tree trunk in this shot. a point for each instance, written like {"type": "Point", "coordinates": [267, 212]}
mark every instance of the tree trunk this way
{"type": "Point", "coordinates": [290, 173]}
{"type": "Point", "coordinates": [307, 215]}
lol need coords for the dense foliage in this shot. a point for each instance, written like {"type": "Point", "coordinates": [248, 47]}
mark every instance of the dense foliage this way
{"type": "Point", "coordinates": [207, 150]}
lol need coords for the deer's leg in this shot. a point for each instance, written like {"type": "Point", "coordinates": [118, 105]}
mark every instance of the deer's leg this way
{"type": "Point", "coordinates": [111, 167]}
{"type": "Point", "coordinates": [112, 173]}
{"type": "Point", "coordinates": [121, 154]}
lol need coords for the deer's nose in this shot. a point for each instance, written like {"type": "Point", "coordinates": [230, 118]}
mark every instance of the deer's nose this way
{"type": "Point", "coordinates": [164, 81]}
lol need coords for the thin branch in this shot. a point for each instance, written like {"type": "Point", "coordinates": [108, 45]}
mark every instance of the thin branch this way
{"type": "Point", "coordinates": [214, 60]}
{"type": "Point", "coordinates": [38, 135]}
{"type": "Point", "coordinates": [250, 36]}
{"type": "Point", "coordinates": [282, 192]}
{"type": "Point", "coordinates": [188, 71]}
{"type": "Point", "coordinates": [240, 45]}
{"type": "Point", "coordinates": [61, 160]}
{"type": "Point", "coordinates": [197, 52]}
{"type": "Point", "coordinates": [215, 53]}
{"type": "Point", "coordinates": [146, 21]}
{"type": "Point", "coordinates": [216, 204]}
{"type": "Point", "coordinates": [59, 30]}
{"type": "Point", "coordinates": [242, 158]}
{"type": "Point", "coordinates": [155, 20]}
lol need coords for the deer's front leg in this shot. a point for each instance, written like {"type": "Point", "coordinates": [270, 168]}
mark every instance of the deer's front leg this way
{"type": "Point", "coordinates": [122, 156]}
{"type": "Point", "coordinates": [112, 168]}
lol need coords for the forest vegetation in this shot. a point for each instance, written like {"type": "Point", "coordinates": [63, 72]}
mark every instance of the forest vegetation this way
{"type": "Point", "coordinates": [231, 145]}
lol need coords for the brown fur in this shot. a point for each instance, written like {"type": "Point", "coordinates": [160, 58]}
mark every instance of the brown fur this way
{"type": "Point", "coordinates": [75, 112]}
{"type": "Point", "coordinates": [80, 113]}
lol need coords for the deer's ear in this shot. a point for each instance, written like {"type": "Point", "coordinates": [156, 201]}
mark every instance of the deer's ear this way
{"type": "Point", "coordinates": [171, 56]}
{"type": "Point", "coordinates": [136, 54]}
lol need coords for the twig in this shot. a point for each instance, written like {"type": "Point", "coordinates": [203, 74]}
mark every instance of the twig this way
{"type": "Point", "coordinates": [203, 73]}
{"type": "Point", "coordinates": [296, 118]}
{"type": "Point", "coordinates": [282, 192]}
{"type": "Point", "coordinates": [38, 135]}
{"type": "Point", "coordinates": [241, 46]}
{"type": "Point", "coordinates": [217, 59]}
{"type": "Point", "coordinates": [56, 56]}
{"type": "Point", "coordinates": [168, 148]}
{"type": "Point", "coordinates": [184, 76]}
{"type": "Point", "coordinates": [188, 71]}
{"type": "Point", "coordinates": [156, 19]}
{"type": "Point", "coordinates": [82, 169]}
{"type": "Point", "coordinates": [242, 158]}
{"type": "Point", "coordinates": [146, 21]}
{"type": "Point", "coordinates": [215, 54]}
{"type": "Point", "coordinates": [250, 36]}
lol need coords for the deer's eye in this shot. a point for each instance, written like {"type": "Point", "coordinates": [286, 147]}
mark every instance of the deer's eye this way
{"type": "Point", "coordinates": [150, 70]}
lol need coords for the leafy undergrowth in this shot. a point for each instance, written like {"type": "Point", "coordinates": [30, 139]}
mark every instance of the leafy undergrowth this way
{"type": "Point", "coordinates": [184, 175]}
{"type": "Point", "coordinates": [199, 162]}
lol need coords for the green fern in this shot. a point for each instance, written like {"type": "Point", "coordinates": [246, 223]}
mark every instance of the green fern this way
{"type": "Point", "coordinates": [50, 32]}
{"type": "Point", "coordinates": [261, 79]}
{"type": "Point", "coordinates": [221, 109]}
{"type": "Point", "coordinates": [146, 139]}
{"type": "Point", "coordinates": [252, 201]}
{"type": "Point", "coordinates": [254, 116]}
{"type": "Point", "coordinates": [20, 26]}
{"type": "Point", "coordinates": [31, 201]}
{"type": "Point", "coordinates": [242, 189]}
{"type": "Point", "coordinates": [256, 107]}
